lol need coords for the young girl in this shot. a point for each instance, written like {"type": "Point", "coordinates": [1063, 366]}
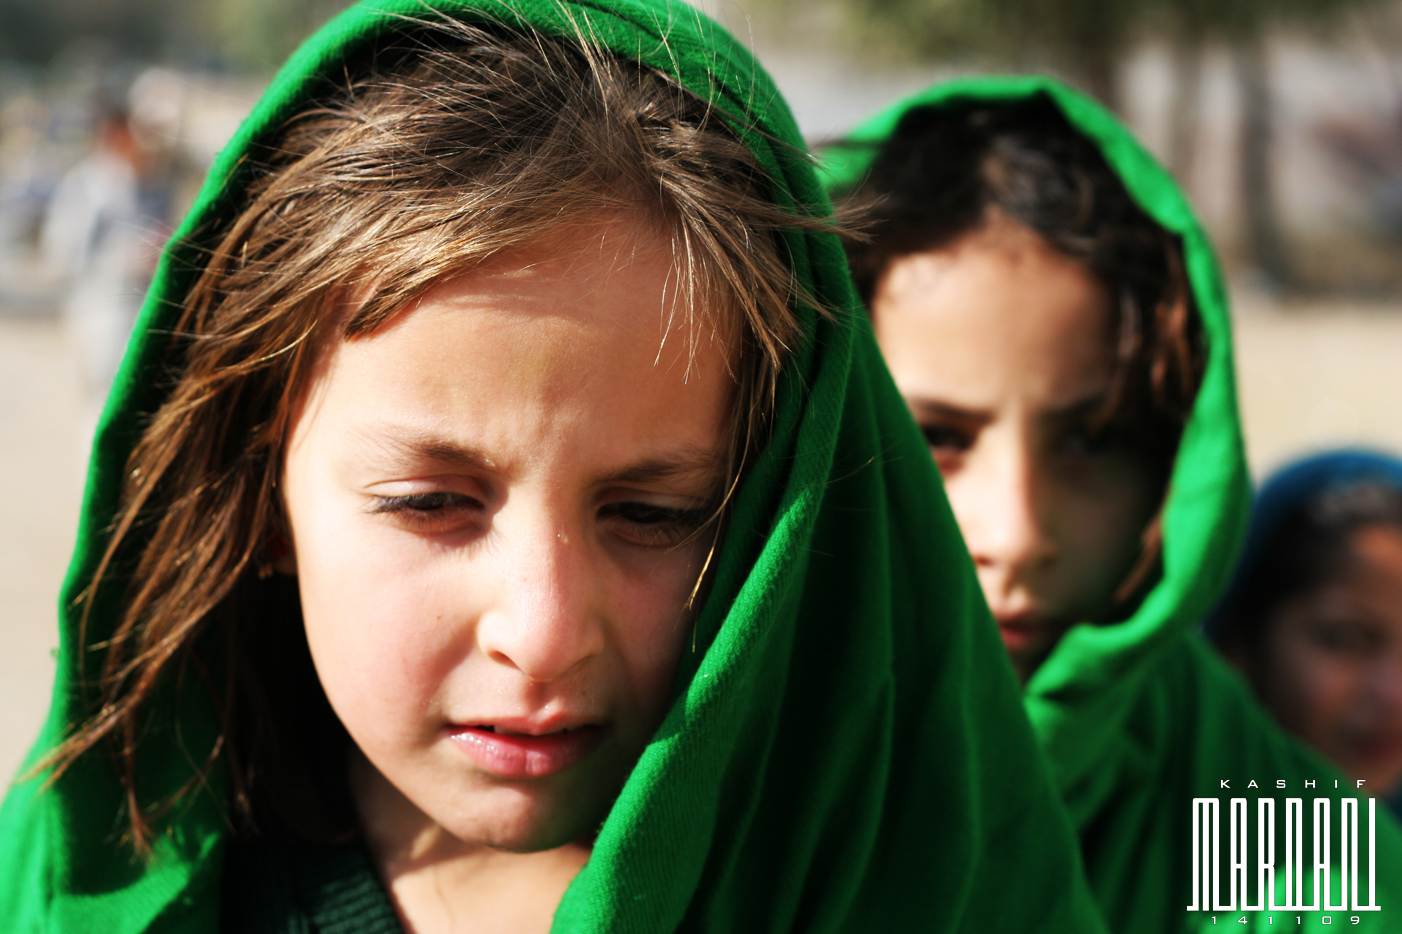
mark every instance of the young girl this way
{"type": "Point", "coordinates": [501, 515]}
{"type": "Point", "coordinates": [1056, 322]}
{"type": "Point", "coordinates": [1313, 618]}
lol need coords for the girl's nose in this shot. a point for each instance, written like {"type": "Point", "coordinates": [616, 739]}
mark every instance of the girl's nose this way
{"type": "Point", "coordinates": [547, 618]}
{"type": "Point", "coordinates": [1002, 505]}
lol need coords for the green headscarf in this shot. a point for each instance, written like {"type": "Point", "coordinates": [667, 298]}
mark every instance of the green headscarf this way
{"type": "Point", "coordinates": [1140, 717]}
{"type": "Point", "coordinates": [846, 750]}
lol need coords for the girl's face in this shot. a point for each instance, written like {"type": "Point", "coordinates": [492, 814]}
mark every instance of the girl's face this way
{"type": "Point", "coordinates": [1002, 348]}
{"type": "Point", "coordinates": [1333, 662]}
{"type": "Point", "coordinates": [496, 504]}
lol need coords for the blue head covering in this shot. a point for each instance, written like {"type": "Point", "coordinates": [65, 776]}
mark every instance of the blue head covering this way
{"type": "Point", "coordinates": [1292, 487]}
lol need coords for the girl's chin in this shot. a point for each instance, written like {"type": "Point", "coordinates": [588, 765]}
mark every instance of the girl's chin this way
{"type": "Point", "coordinates": [525, 817]}
{"type": "Point", "coordinates": [531, 831]}
{"type": "Point", "coordinates": [1381, 769]}
{"type": "Point", "coordinates": [452, 812]}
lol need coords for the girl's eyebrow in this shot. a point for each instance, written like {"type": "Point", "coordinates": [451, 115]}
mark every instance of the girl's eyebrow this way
{"type": "Point", "coordinates": [420, 447]}
{"type": "Point", "coordinates": [932, 408]}
{"type": "Point", "coordinates": [685, 462]}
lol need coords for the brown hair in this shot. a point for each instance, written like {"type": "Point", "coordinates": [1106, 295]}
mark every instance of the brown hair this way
{"type": "Point", "coordinates": [945, 168]}
{"type": "Point", "coordinates": [428, 155]}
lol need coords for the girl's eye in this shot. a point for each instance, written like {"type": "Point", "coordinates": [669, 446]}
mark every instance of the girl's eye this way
{"type": "Point", "coordinates": [948, 445]}
{"type": "Point", "coordinates": [943, 438]}
{"type": "Point", "coordinates": [653, 526]}
{"type": "Point", "coordinates": [427, 510]}
{"type": "Point", "coordinates": [1355, 638]}
{"type": "Point", "coordinates": [1084, 441]}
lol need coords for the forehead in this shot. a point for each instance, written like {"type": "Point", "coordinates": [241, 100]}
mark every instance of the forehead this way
{"type": "Point", "coordinates": [997, 314]}
{"type": "Point", "coordinates": [1375, 553]}
{"type": "Point", "coordinates": [1368, 580]}
{"type": "Point", "coordinates": [572, 332]}
{"type": "Point", "coordinates": [586, 249]}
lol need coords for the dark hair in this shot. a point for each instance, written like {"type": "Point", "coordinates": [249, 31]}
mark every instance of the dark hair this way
{"type": "Point", "coordinates": [425, 156]}
{"type": "Point", "coordinates": [946, 168]}
{"type": "Point", "coordinates": [1308, 546]}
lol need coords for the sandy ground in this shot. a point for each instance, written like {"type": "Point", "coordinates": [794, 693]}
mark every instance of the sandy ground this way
{"type": "Point", "coordinates": [1310, 376]}
{"type": "Point", "coordinates": [41, 475]}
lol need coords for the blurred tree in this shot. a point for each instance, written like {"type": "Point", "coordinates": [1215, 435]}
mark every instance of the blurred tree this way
{"type": "Point", "coordinates": [1243, 26]}
{"type": "Point", "coordinates": [1086, 39]}
{"type": "Point", "coordinates": [256, 36]}
{"type": "Point", "coordinates": [34, 31]}
{"type": "Point", "coordinates": [253, 36]}
{"type": "Point", "coordinates": [1089, 40]}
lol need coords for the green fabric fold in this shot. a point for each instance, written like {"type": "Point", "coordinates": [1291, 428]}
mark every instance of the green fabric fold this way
{"type": "Point", "coordinates": [1139, 717]}
{"type": "Point", "coordinates": [846, 750]}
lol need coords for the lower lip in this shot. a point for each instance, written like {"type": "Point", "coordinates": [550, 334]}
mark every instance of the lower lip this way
{"type": "Point", "coordinates": [1018, 637]}
{"type": "Point", "coordinates": [515, 756]}
{"type": "Point", "coordinates": [1379, 749]}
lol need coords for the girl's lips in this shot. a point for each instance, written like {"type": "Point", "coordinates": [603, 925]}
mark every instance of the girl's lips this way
{"type": "Point", "coordinates": [1378, 748]}
{"type": "Point", "coordinates": [516, 756]}
{"type": "Point", "coordinates": [1022, 631]}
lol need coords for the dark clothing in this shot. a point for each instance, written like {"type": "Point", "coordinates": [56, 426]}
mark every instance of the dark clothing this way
{"type": "Point", "coordinates": [275, 885]}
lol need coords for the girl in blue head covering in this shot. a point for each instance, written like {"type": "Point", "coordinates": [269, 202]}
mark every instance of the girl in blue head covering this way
{"type": "Point", "coordinates": [1313, 618]}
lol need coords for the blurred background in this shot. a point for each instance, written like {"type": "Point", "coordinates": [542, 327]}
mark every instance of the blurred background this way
{"type": "Point", "coordinates": [1283, 119]}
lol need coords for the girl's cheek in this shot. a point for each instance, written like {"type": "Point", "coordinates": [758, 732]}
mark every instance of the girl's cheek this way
{"type": "Point", "coordinates": [659, 613]}
{"type": "Point", "coordinates": [381, 619]}
{"type": "Point", "coordinates": [1310, 688]}
{"type": "Point", "coordinates": [1128, 497]}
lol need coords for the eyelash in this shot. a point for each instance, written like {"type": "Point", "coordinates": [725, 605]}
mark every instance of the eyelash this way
{"type": "Point", "coordinates": [657, 526]}
{"type": "Point", "coordinates": [1110, 439]}
{"type": "Point", "coordinates": [1346, 637]}
{"type": "Point", "coordinates": [946, 438]}
{"type": "Point", "coordinates": [424, 509]}
{"type": "Point", "coordinates": [648, 525]}
{"type": "Point", "coordinates": [949, 443]}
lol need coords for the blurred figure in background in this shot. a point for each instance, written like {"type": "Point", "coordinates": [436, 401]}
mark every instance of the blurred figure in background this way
{"type": "Point", "coordinates": [1313, 618]}
{"type": "Point", "coordinates": [102, 235]}
{"type": "Point", "coordinates": [92, 241]}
